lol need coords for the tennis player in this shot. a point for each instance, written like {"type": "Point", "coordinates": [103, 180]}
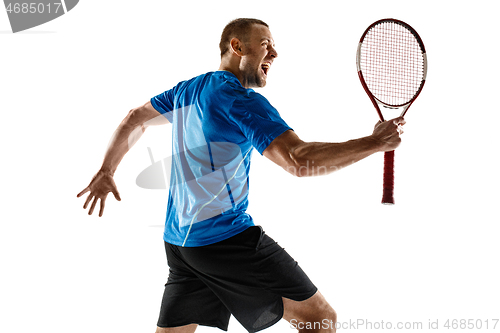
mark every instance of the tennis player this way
{"type": "Point", "coordinates": [220, 262]}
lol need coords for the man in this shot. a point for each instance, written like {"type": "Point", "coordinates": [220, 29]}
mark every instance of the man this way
{"type": "Point", "coordinates": [220, 262]}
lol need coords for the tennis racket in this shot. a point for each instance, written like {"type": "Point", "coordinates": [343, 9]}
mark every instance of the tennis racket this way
{"type": "Point", "coordinates": [392, 67]}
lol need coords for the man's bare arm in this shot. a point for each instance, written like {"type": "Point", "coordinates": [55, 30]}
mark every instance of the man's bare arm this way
{"type": "Point", "coordinates": [320, 158]}
{"type": "Point", "coordinates": [126, 135]}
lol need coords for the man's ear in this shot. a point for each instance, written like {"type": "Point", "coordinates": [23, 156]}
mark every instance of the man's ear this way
{"type": "Point", "coordinates": [237, 46]}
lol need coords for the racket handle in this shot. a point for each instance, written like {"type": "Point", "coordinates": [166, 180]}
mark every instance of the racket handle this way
{"type": "Point", "coordinates": [388, 193]}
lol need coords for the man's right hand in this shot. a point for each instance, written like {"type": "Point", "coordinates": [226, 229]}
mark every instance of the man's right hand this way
{"type": "Point", "coordinates": [99, 188]}
{"type": "Point", "coordinates": [388, 133]}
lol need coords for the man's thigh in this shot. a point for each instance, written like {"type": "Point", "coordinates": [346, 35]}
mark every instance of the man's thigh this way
{"type": "Point", "coordinates": [182, 329]}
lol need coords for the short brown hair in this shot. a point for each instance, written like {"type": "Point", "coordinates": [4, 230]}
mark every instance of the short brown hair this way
{"type": "Point", "coordinates": [238, 28]}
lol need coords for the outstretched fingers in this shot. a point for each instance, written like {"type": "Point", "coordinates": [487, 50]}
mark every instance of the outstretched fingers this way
{"type": "Point", "coordinates": [93, 206]}
{"type": "Point", "coordinates": [85, 190]}
{"type": "Point", "coordinates": [100, 186]}
{"type": "Point", "coordinates": [90, 196]}
{"type": "Point", "coordinates": [117, 195]}
{"type": "Point", "coordinates": [103, 200]}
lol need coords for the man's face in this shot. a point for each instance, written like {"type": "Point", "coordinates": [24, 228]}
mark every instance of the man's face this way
{"type": "Point", "coordinates": [258, 57]}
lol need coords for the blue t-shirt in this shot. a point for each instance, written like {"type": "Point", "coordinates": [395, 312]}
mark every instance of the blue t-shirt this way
{"type": "Point", "coordinates": [216, 124]}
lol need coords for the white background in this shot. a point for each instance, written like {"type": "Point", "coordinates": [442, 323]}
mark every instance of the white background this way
{"type": "Point", "coordinates": [67, 84]}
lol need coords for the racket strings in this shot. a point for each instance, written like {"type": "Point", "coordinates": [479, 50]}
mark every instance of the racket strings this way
{"type": "Point", "coordinates": [392, 63]}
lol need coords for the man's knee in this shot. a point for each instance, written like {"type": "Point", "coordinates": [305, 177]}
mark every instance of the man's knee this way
{"type": "Point", "coordinates": [327, 316]}
{"type": "Point", "coordinates": [315, 312]}
{"type": "Point", "coordinates": [331, 314]}
{"type": "Point", "coordinates": [323, 309]}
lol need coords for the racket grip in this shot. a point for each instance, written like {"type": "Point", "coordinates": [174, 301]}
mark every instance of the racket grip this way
{"type": "Point", "coordinates": [388, 192]}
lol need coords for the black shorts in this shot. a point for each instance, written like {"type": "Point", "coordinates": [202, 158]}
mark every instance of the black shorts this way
{"type": "Point", "coordinates": [245, 275]}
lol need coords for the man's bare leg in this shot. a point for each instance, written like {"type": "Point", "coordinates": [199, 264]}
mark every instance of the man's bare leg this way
{"type": "Point", "coordinates": [181, 329]}
{"type": "Point", "coordinates": [312, 315]}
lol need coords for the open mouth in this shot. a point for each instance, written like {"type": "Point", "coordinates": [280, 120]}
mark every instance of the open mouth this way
{"type": "Point", "coordinates": [265, 67]}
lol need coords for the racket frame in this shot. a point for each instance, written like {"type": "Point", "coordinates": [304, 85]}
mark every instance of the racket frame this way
{"type": "Point", "coordinates": [388, 187]}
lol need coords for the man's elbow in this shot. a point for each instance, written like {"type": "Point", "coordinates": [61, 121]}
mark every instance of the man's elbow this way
{"type": "Point", "coordinates": [302, 167]}
{"type": "Point", "coordinates": [134, 118]}
{"type": "Point", "coordinates": [298, 167]}
{"type": "Point", "coordinates": [144, 116]}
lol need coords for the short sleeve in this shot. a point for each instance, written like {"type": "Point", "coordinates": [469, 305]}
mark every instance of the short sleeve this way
{"type": "Point", "coordinates": [259, 121]}
{"type": "Point", "coordinates": [164, 103]}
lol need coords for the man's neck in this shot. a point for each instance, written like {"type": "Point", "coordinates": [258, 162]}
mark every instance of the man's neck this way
{"type": "Point", "coordinates": [232, 67]}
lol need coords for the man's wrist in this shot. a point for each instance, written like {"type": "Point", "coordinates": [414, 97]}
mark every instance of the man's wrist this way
{"type": "Point", "coordinates": [107, 171]}
{"type": "Point", "coordinates": [375, 143]}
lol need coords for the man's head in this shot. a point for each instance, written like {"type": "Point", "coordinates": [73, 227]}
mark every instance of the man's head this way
{"type": "Point", "coordinates": [247, 50]}
{"type": "Point", "coordinates": [239, 28]}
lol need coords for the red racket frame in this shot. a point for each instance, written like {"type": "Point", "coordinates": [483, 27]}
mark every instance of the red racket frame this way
{"type": "Point", "coordinates": [388, 186]}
